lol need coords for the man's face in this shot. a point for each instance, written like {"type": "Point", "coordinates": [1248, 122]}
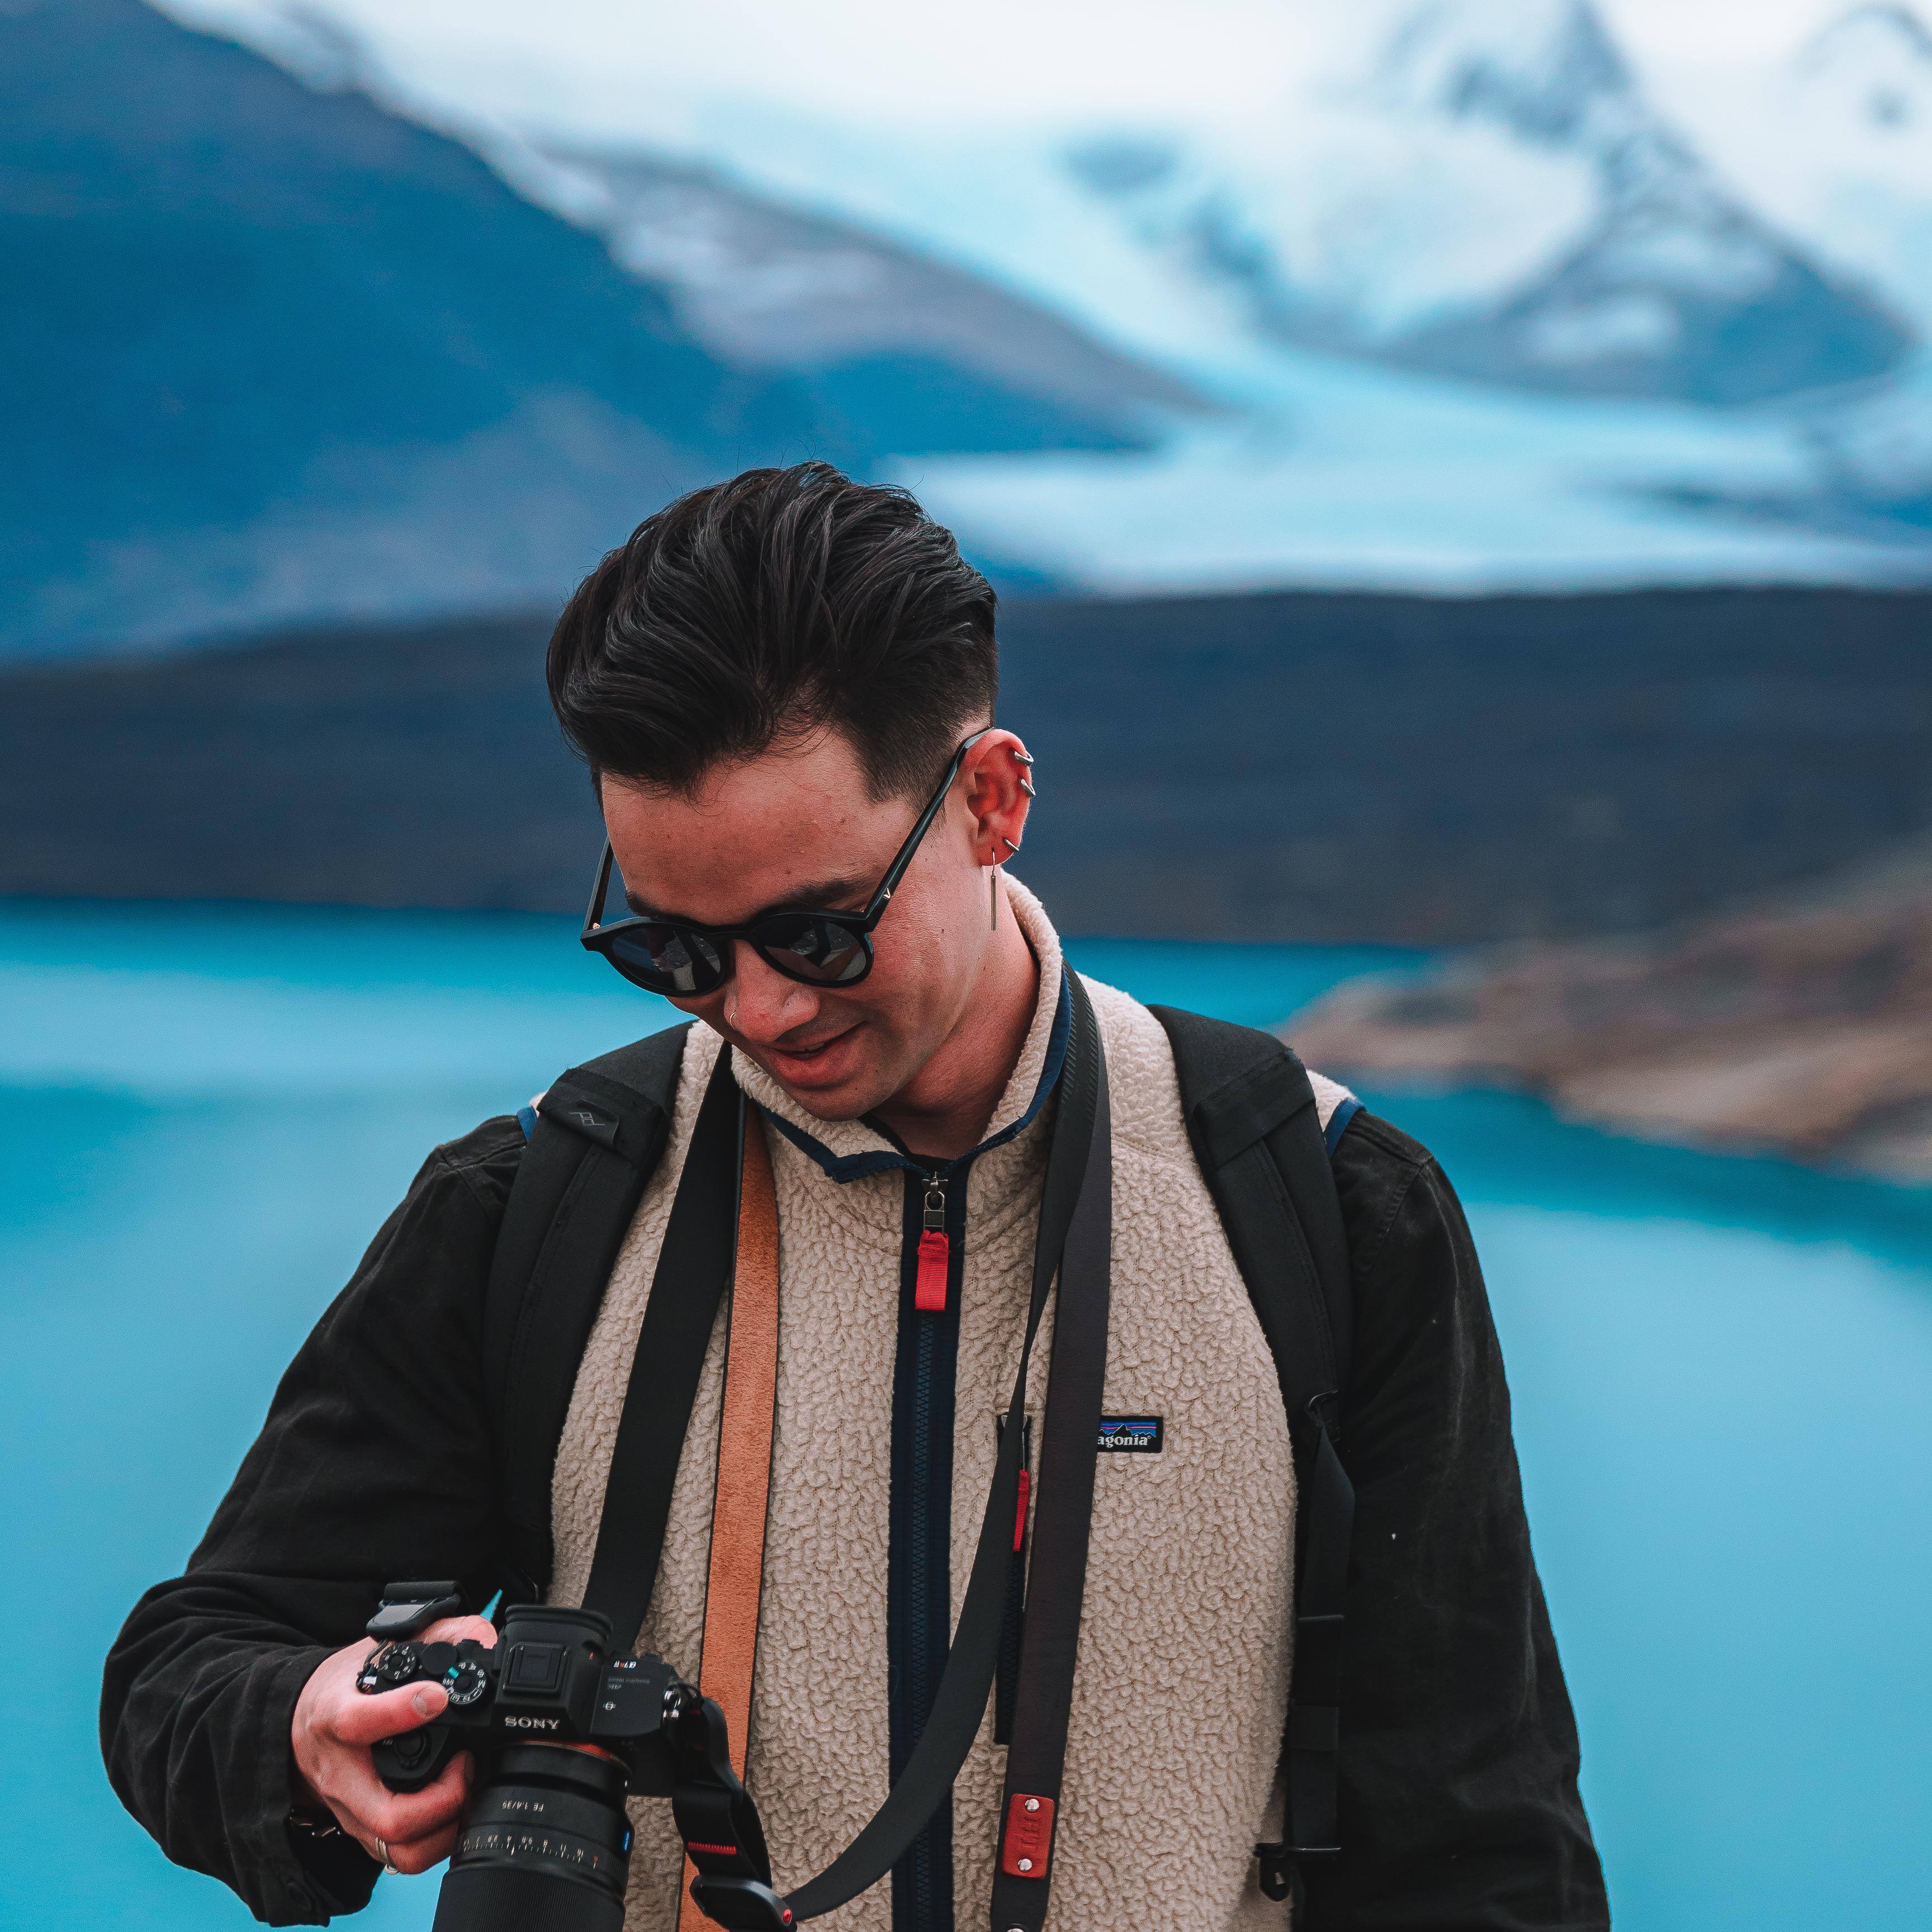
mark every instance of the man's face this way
{"type": "Point", "coordinates": [795, 829]}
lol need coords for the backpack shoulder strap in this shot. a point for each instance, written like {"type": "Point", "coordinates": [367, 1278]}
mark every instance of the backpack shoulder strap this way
{"type": "Point", "coordinates": [1256, 1132]}
{"type": "Point", "coordinates": [595, 1141]}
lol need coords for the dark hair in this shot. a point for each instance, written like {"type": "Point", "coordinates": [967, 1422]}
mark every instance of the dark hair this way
{"type": "Point", "coordinates": [781, 602]}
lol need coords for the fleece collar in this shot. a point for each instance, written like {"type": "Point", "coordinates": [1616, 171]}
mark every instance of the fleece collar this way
{"type": "Point", "coordinates": [848, 1150]}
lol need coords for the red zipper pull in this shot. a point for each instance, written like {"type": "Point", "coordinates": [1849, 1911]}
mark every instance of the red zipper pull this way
{"type": "Point", "coordinates": [935, 1262]}
{"type": "Point", "coordinates": [1019, 1518]}
{"type": "Point", "coordinates": [935, 1252]}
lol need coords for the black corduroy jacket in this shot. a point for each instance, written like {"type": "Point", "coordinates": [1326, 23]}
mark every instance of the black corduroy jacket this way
{"type": "Point", "coordinates": [1459, 1810]}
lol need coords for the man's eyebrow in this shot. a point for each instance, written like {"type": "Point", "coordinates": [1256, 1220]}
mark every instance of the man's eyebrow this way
{"type": "Point", "coordinates": [818, 895]}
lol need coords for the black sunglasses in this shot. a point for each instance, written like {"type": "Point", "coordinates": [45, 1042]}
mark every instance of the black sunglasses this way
{"type": "Point", "coordinates": [819, 948]}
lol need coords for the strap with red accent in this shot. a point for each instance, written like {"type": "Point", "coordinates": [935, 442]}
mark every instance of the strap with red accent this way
{"type": "Point", "coordinates": [1057, 1577]}
{"type": "Point", "coordinates": [716, 1816]}
{"type": "Point", "coordinates": [1006, 1688]}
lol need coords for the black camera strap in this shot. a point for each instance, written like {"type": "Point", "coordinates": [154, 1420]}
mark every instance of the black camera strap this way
{"type": "Point", "coordinates": [1073, 1243]}
{"type": "Point", "coordinates": [1063, 1519]}
{"type": "Point", "coordinates": [694, 1264]}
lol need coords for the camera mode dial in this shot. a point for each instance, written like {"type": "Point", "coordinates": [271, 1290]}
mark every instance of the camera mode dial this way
{"type": "Point", "coordinates": [398, 1664]}
{"type": "Point", "coordinates": [465, 1682]}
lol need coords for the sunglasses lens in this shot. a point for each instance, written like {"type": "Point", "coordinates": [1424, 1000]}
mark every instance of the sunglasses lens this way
{"type": "Point", "coordinates": [667, 958]}
{"type": "Point", "coordinates": [820, 952]}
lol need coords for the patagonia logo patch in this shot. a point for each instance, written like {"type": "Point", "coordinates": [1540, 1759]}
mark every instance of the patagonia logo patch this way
{"type": "Point", "coordinates": [1131, 1435]}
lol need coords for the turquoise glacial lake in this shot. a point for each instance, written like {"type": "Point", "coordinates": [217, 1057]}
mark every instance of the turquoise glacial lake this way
{"type": "Point", "coordinates": [1722, 1370]}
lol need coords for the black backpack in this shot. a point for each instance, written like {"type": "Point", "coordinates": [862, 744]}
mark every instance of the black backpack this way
{"type": "Point", "coordinates": [596, 1139]}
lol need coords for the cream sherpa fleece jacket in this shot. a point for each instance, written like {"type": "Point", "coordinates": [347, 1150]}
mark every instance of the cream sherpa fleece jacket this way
{"type": "Point", "coordinates": [1182, 1678]}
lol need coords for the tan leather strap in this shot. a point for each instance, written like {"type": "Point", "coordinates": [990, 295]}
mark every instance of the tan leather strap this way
{"type": "Point", "coordinates": [744, 1464]}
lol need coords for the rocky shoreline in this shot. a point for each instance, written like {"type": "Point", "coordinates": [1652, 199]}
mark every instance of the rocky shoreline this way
{"type": "Point", "coordinates": [1799, 1025]}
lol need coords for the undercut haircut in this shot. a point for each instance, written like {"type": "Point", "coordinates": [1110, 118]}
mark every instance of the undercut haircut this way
{"type": "Point", "coordinates": [755, 612]}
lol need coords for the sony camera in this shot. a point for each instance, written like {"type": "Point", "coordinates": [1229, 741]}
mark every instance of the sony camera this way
{"type": "Point", "coordinates": [562, 1733]}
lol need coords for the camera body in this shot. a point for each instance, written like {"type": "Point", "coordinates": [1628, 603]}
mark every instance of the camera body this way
{"type": "Point", "coordinates": [562, 1732]}
{"type": "Point", "coordinates": [548, 1680]}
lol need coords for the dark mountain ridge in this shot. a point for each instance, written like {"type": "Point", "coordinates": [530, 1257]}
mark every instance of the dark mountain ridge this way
{"type": "Point", "coordinates": [228, 294]}
{"type": "Point", "coordinates": [1292, 766]}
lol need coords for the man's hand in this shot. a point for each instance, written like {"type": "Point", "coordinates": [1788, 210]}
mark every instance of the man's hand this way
{"type": "Point", "coordinates": [334, 1724]}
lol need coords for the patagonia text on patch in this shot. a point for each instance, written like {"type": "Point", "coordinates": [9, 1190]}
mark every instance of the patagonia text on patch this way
{"type": "Point", "coordinates": [1131, 1435]}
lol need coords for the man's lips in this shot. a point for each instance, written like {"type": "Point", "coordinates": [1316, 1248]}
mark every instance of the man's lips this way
{"type": "Point", "coordinates": [813, 1063]}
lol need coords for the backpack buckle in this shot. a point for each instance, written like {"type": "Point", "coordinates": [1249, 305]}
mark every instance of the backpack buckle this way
{"type": "Point", "coordinates": [1280, 1877]}
{"type": "Point", "coordinates": [743, 1903]}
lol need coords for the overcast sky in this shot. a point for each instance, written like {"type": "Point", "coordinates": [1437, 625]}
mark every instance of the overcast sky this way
{"type": "Point", "coordinates": [581, 58]}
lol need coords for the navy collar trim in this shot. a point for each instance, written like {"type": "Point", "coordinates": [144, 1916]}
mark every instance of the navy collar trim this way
{"type": "Point", "coordinates": [844, 1167]}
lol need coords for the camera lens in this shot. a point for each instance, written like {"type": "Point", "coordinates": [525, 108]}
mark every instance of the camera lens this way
{"type": "Point", "coordinates": [546, 1847]}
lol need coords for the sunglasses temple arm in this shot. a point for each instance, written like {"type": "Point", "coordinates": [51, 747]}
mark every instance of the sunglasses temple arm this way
{"type": "Point", "coordinates": [593, 913]}
{"type": "Point", "coordinates": [895, 871]}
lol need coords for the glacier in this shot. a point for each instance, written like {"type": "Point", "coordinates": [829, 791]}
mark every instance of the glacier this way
{"type": "Point", "coordinates": [1474, 304]}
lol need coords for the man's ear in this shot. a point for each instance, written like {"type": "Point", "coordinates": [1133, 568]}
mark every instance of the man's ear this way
{"type": "Point", "coordinates": [998, 792]}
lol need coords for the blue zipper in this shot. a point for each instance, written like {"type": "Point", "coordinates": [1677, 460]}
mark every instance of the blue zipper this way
{"type": "Point", "coordinates": [921, 1620]}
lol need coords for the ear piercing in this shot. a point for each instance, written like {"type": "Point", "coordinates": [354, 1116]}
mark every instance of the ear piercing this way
{"type": "Point", "coordinates": [1011, 845]}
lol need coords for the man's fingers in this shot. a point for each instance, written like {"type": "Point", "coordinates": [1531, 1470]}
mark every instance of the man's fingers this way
{"type": "Point", "coordinates": [361, 1719]}
{"type": "Point", "coordinates": [417, 1851]}
{"type": "Point", "coordinates": [402, 1817]}
{"type": "Point", "coordinates": [421, 1853]}
{"type": "Point", "coordinates": [370, 1810]}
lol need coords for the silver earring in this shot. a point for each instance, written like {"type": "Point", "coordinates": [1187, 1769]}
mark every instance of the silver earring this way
{"type": "Point", "coordinates": [1012, 845]}
{"type": "Point", "coordinates": [1026, 786]}
{"type": "Point", "coordinates": [1024, 757]}
{"type": "Point", "coordinates": [993, 896]}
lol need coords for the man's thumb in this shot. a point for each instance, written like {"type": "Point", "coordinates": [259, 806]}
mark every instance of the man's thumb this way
{"type": "Point", "coordinates": [363, 1720]}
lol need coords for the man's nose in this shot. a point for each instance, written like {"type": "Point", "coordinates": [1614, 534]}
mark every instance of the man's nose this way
{"type": "Point", "coordinates": [762, 1005]}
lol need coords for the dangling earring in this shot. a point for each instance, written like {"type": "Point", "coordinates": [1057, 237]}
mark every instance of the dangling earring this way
{"type": "Point", "coordinates": [993, 894]}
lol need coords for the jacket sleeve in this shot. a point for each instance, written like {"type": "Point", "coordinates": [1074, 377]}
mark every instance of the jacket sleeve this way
{"type": "Point", "coordinates": [374, 1463]}
{"type": "Point", "coordinates": [1459, 1809]}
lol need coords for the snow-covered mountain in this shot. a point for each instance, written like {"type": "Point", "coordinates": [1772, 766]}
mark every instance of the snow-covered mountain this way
{"type": "Point", "coordinates": [1460, 299]}
{"type": "Point", "coordinates": [883, 332]}
{"type": "Point", "coordinates": [1495, 196]}
{"type": "Point", "coordinates": [1835, 146]}
{"type": "Point", "coordinates": [1874, 66]}
{"type": "Point", "coordinates": [1652, 375]}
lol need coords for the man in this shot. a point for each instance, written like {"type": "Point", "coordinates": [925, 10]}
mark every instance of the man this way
{"type": "Point", "coordinates": [767, 682]}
